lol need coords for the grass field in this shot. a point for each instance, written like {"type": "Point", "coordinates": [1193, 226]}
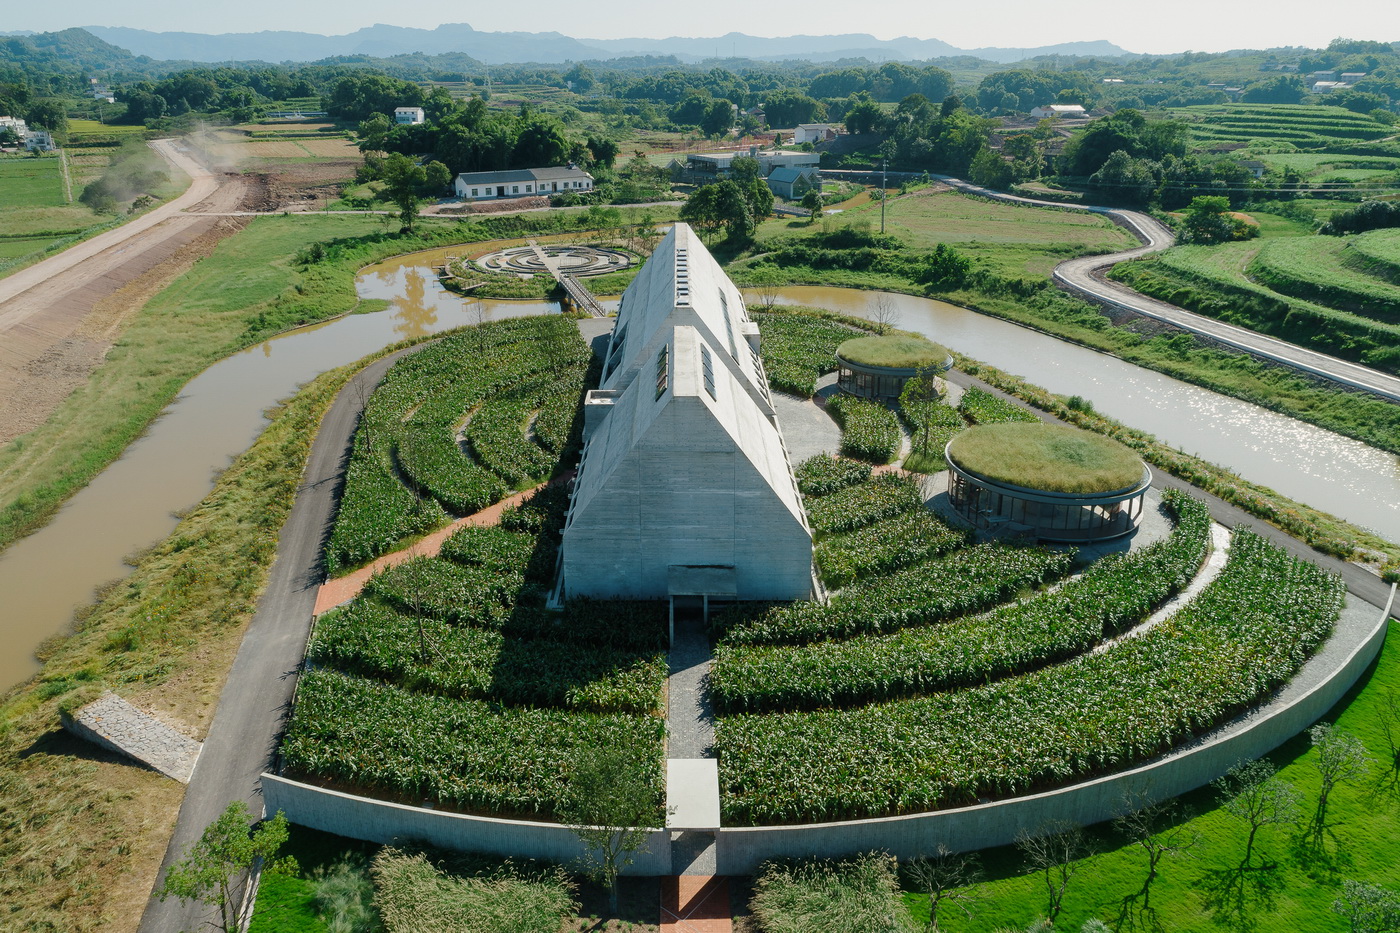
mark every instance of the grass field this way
{"type": "Point", "coordinates": [1206, 892]}
{"type": "Point", "coordinates": [26, 181]}
{"type": "Point", "coordinates": [1012, 240]}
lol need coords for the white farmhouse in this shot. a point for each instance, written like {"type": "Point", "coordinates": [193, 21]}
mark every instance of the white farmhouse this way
{"type": "Point", "coordinates": [815, 132]}
{"type": "Point", "coordinates": [685, 488]}
{"type": "Point", "coordinates": [522, 183]}
{"type": "Point", "coordinates": [1063, 111]}
{"type": "Point", "coordinates": [406, 116]}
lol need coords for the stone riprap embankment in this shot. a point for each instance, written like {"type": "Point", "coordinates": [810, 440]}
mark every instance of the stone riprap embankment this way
{"type": "Point", "coordinates": [116, 725]}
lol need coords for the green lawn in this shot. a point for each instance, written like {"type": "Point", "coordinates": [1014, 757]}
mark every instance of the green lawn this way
{"type": "Point", "coordinates": [1010, 239]}
{"type": "Point", "coordinates": [1296, 895]}
{"type": "Point", "coordinates": [26, 181]}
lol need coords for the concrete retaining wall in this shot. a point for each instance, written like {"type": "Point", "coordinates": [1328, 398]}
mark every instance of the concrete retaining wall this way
{"type": "Point", "coordinates": [740, 850]}
{"type": "Point", "coordinates": [384, 822]}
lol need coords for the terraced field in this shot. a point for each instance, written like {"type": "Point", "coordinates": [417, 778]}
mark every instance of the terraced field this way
{"type": "Point", "coordinates": [1307, 290]}
{"type": "Point", "coordinates": [1301, 126]}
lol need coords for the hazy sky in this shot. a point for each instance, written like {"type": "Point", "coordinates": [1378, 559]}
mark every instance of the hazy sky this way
{"type": "Point", "coordinates": [1201, 25]}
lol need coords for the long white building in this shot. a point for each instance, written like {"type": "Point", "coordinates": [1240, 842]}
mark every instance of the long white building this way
{"type": "Point", "coordinates": [685, 488]}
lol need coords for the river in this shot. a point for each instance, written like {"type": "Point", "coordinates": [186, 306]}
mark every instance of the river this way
{"type": "Point", "coordinates": [47, 576]}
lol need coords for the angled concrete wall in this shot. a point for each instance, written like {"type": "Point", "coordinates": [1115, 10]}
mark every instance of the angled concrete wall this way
{"type": "Point", "coordinates": [384, 822]}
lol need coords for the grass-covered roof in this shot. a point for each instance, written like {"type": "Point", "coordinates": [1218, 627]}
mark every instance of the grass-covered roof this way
{"type": "Point", "coordinates": [1052, 458]}
{"type": "Point", "coordinates": [893, 352]}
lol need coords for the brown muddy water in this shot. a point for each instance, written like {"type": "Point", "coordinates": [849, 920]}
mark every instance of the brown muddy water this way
{"type": "Point", "coordinates": [45, 577]}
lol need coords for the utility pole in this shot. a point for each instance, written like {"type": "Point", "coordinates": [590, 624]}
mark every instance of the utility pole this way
{"type": "Point", "coordinates": [884, 190]}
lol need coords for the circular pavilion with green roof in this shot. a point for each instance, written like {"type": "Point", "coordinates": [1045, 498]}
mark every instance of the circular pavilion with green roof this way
{"type": "Point", "coordinates": [1054, 482]}
{"type": "Point", "coordinates": [878, 367]}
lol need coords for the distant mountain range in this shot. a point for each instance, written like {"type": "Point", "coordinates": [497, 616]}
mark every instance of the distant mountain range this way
{"type": "Point", "coordinates": [550, 47]}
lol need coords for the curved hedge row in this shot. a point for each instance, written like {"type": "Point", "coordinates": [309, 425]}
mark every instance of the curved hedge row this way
{"type": "Point", "coordinates": [475, 755]}
{"type": "Point", "coordinates": [955, 584]}
{"type": "Point", "coordinates": [885, 547]}
{"type": "Point", "coordinates": [407, 469]}
{"type": "Point", "coordinates": [855, 506]}
{"type": "Point", "coordinates": [1248, 632]}
{"type": "Point", "coordinates": [798, 349]}
{"type": "Point", "coordinates": [824, 474]}
{"type": "Point", "coordinates": [1111, 596]}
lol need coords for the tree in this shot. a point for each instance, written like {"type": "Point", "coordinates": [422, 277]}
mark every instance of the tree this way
{"type": "Point", "coordinates": [883, 312]}
{"type": "Point", "coordinates": [1369, 908]}
{"type": "Point", "coordinates": [943, 269]}
{"type": "Point", "coordinates": [1056, 850]}
{"type": "Point", "coordinates": [406, 183]}
{"type": "Point", "coordinates": [863, 115]}
{"type": "Point", "coordinates": [610, 804]}
{"type": "Point", "coordinates": [718, 118]}
{"type": "Point", "coordinates": [990, 170]}
{"type": "Point", "coordinates": [1341, 759]}
{"type": "Point", "coordinates": [721, 204]}
{"type": "Point", "coordinates": [218, 864]}
{"type": "Point", "coordinates": [1255, 796]}
{"type": "Point", "coordinates": [945, 878]}
{"type": "Point", "coordinates": [373, 132]}
{"type": "Point", "coordinates": [1159, 829]}
{"type": "Point", "coordinates": [812, 200]}
{"type": "Point", "coordinates": [920, 394]}
{"type": "Point", "coordinates": [1209, 221]}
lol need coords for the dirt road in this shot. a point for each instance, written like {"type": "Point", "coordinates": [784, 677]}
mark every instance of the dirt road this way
{"type": "Point", "coordinates": [59, 317]}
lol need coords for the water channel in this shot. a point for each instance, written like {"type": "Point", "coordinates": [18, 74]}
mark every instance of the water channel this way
{"type": "Point", "coordinates": [45, 577]}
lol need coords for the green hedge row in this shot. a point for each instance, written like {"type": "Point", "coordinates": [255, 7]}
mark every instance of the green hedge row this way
{"type": "Point", "coordinates": [854, 507]}
{"type": "Point", "coordinates": [953, 585]}
{"type": "Point", "coordinates": [869, 430]}
{"type": "Point", "coordinates": [982, 407]}
{"type": "Point", "coordinates": [885, 547]}
{"type": "Point", "coordinates": [1247, 633]}
{"type": "Point", "coordinates": [1111, 596]}
{"type": "Point", "coordinates": [824, 474]}
{"type": "Point", "coordinates": [474, 755]}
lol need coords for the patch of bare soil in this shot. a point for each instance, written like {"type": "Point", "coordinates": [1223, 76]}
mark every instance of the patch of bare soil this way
{"type": "Point", "coordinates": [307, 186]}
{"type": "Point", "coordinates": [489, 207]}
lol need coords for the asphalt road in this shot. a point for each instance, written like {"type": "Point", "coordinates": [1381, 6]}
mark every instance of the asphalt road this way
{"type": "Point", "coordinates": [1085, 277]}
{"type": "Point", "coordinates": [242, 740]}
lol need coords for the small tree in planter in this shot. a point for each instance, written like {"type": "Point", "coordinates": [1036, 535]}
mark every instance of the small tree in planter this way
{"type": "Point", "coordinates": [611, 806]}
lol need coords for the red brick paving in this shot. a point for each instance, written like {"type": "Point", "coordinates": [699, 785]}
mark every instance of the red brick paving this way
{"type": "Point", "coordinates": [695, 904]}
{"type": "Point", "coordinates": [341, 590]}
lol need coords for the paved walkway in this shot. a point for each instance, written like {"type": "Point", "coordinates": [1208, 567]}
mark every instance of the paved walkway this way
{"type": "Point", "coordinates": [341, 590]}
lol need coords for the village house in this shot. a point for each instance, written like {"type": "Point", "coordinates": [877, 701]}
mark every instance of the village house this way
{"type": "Point", "coordinates": [815, 132]}
{"type": "Point", "coordinates": [522, 183]}
{"type": "Point", "coordinates": [407, 116]}
{"type": "Point", "coordinates": [701, 168]}
{"type": "Point", "coordinates": [792, 182]}
{"type": "Point", "coordinates": [1063, 111]}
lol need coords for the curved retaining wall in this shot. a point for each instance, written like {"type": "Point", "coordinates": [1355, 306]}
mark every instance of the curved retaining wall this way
{"type": "Point", "coordinates": [1323, 681]}
{"type": "Point", "coordinates": [384, 822]}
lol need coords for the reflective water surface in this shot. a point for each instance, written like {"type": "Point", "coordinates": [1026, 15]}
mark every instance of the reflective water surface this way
{"type": "Point", "coordinates": [48, 575]}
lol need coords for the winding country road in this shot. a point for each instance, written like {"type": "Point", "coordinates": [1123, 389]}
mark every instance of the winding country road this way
{"type": "Point", "coordinates": [59, 317]}
{"type": "Point", "coordinates": [242, 740]}
{"type": "Point", "coordinates": [1086, 277]}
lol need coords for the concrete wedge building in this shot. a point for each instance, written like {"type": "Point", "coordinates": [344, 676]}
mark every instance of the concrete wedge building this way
{"type": "Point", "coordinates": [685, 489]}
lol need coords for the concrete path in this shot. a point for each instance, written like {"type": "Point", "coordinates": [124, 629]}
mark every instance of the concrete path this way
{"type": "Point", "coordinates": [242, 741]}
{"type": "Point", "coordinates": [112, 723]}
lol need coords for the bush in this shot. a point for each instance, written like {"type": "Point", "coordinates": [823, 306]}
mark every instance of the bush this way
{"type": "Point", "coordinates": [858, 895]}
{"type": "Point", "coordinates": [424, 890]}
{"type": "Point", "coordinates": [869, 430]}
{"type": "Point", "coordinates": [825, 474]}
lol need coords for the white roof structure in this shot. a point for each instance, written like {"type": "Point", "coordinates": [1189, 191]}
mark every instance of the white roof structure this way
{"type": "Point", "coordinates": [685, 487]}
